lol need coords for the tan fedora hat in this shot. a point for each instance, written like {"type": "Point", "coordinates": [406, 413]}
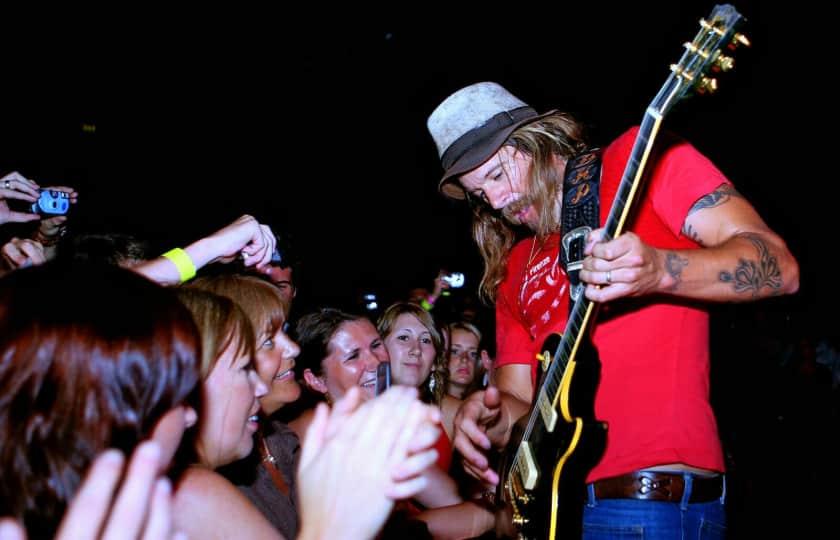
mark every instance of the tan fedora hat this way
{"type": "Point", "coordinates": [469, 127]}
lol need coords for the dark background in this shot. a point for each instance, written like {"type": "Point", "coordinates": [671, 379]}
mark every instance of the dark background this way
{"type": "Point", "coordinates": [319, 126]}
{"type": "Point", "coordinates": [314, 121]}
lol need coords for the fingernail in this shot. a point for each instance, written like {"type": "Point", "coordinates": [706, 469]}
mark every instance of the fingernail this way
{"type": "Point", "coordinates": [111, 457]}
{"type": "Point", "coordinates": [10, 531]}
{"type": "Point", "coordinates": [149, 450]}
{"type": "Point", "coordinates": [164, 485]}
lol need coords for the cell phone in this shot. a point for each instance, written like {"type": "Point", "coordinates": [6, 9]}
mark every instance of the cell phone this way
{"type": "Point", "coordinates": [51, 202]}
{"type": "Point", "coordinates": [383, 377]}
{"type": "Point", "coordinates": [455, 279]}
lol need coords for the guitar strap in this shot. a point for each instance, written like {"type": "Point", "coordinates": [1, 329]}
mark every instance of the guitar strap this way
{"type": "Point", "coordinates": [580, 213]}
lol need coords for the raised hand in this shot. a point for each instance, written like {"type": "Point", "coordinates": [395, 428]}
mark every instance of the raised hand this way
{"type": "Point", "coordinates": [341, 501]}
{"type": "Point", "coordinates": [15, 186]}
{"type": "Point", "coordinates": [20, 253]}
{"type": "Point", "coordinates": [245, 237]}
{"type": "Point", "coordinates": [104, 507]}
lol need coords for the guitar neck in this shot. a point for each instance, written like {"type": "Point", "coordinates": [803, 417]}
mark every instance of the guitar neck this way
{"type": "Point", "coordinates": [584, 311]}
{"type": "Point", "coordinates": [631, 180]}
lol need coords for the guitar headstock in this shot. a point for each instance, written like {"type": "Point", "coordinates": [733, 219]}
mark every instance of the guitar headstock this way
{"type": "Point", "coordinates": [704, 56]}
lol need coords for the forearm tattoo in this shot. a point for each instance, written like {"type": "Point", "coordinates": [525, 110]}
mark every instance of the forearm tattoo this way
{"type": "Point", "coordinates": [674, 265]}
{"type": "Point", "coordinates": [752, 276]}
{"type": "Point", "coordinates": [723, 193]}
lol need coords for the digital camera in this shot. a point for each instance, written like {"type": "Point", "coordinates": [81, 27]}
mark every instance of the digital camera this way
{"type": "Point", "coordinates": [51, 202]}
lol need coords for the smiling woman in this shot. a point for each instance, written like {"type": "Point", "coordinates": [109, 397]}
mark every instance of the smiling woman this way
{"type": "Point", "coordinates": [340, 351]}
{"type": "Point", "coordinates": [266, 476]}
{"type": "Point", "coordinates": [230, 389]}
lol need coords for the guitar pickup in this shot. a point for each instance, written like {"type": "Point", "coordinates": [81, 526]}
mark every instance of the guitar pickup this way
{"type": "Point", "coordinates": [527, 466]}
{"type": "Point", "coordinates": [547, 411]}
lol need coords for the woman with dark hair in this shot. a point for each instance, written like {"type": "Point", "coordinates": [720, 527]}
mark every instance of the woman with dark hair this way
{"type": "Point", "coordinates": [339, 350]}
{"type": "Point", "coordinates": [90, 358]}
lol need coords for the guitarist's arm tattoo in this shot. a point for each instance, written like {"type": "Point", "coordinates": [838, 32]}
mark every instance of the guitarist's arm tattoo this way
{"type": "Point", "coordinates": [751, 275]}
{"type": "Point", "coordinates": [689, 231]}
{"type": "Point", "coordinates": [719, 196]}
{"type": "Point", "coordinates": [674, 265]}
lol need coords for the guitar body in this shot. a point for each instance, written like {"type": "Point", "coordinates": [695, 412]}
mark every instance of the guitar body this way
{"type": "Point", "coordinates": [570, 450]}
{"type": "Point", "coordinates": [557, 443]}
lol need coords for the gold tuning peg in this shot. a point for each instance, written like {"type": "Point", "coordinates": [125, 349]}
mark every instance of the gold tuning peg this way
{"type": "Point", "coordinates": [725, 63]}
{"type": "Point", "coordinates": [741, 39]}
{"type": "Point", "coordinates": [707, 85]}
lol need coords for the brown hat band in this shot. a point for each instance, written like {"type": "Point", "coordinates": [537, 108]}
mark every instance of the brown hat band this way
{"type": "Point", "coordinates": [475, 137]}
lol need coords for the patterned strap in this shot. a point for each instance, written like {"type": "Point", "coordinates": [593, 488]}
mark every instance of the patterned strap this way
{"type": "Point", "coordinates": [580, 213]}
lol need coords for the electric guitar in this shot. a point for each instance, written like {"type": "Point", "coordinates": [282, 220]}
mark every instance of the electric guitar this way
{"type": "Point", "coordinates": [553, 447]}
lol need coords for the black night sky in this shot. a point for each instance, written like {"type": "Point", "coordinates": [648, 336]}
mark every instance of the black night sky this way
{"type": "Point", "coordinates": [317, 124]}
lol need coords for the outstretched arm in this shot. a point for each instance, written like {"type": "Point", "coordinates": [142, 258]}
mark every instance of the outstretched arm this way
{"type": "Point", "coordinates": [246, 235]}
{"type": "Point", "coordinates": [741, 258]}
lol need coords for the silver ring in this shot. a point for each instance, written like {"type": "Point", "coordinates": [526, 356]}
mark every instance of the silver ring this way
{"type": "Point", "coordinates": [7, 184]}
{"type": "Point", "coordinates": [609, 277]}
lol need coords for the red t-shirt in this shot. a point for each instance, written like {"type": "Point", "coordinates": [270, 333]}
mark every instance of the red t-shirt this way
{"type": "Point", "coordinates": [654, 389]}
{"type": "Point", "coordinates": [444, 449]}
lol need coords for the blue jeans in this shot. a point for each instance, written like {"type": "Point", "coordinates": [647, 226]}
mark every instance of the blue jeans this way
{"type": "Point", "coordinates": [605, 519]}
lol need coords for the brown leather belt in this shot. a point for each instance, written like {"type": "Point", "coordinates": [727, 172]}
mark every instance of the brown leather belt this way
{"type": "Point", "coordinates": [659, 486]}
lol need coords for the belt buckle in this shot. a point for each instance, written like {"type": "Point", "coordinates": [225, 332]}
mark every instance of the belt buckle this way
{"type": "Point", "coordinates": [650, 485]}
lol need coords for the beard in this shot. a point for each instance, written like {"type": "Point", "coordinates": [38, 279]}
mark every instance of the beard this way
{"type": "Point", "coordinates": [510, 211]}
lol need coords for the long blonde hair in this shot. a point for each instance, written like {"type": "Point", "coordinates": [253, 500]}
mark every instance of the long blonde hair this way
{"type": "Point", "coordinates": [439, 375]}
{"type": "Point", "coordinates": [556, 135]}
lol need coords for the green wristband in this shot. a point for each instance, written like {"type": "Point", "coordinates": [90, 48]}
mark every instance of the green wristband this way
{"type": "Point", "coordinates": [182, 261]}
